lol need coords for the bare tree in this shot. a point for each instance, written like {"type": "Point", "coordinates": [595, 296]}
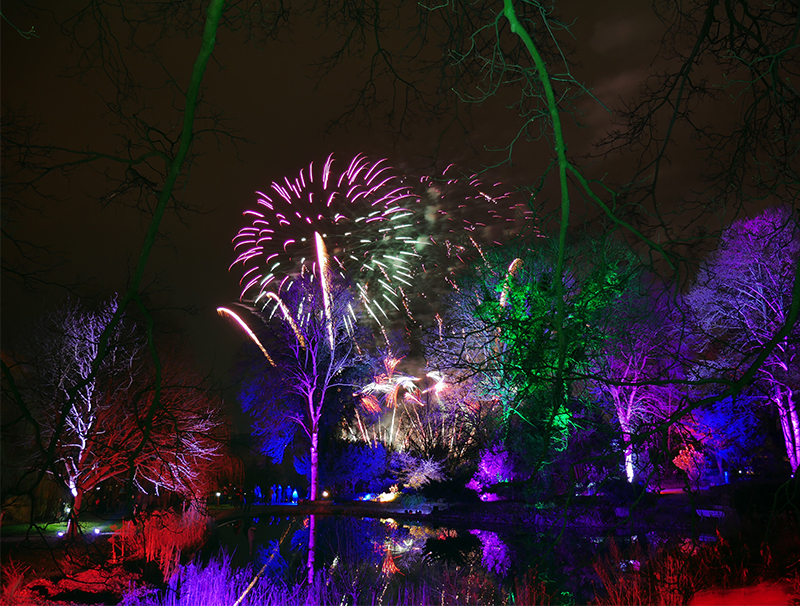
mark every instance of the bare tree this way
{"type": "Point", "coordinates": [311, 344]}
{"type": "Point", "coordinates": [634, 371]}
{"type": "Point", "coordinates": [70, 393]}
{"type": "Point", "coordinates": [186, 445]}
{"type": "Point", "coordinates": [101, 423]}
{"type": "Point", "coordinates": [742, 300]}
{"type": "Point", "coordinates": [727, 81]}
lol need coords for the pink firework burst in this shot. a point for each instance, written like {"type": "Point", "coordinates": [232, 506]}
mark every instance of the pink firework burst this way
{"type": "Point", "coordinates": [362, 214]}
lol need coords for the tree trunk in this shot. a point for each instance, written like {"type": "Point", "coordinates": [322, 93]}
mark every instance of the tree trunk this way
{"type": "Point", "coordinates": [794, 422]}
{"type": "Point", "coordinates": [72, 524]}
{"type": "Point", "coordinates": [314, 460]}
{"type": "Point", "coordinates": [626, 438]}
{"type": "Point", "coordinates": [790, 426]}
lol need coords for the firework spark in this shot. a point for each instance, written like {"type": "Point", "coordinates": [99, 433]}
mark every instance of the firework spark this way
{"type": "Point", "coordinates": [512, 270]}
{"type": "Point", "coordinates": [457, 218]}
{"type": "Point", "coordinates": [225, 312]}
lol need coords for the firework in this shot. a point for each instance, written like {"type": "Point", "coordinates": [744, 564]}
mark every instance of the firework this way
{"type": "Point", "coordinates": [463, 215]}
{"type": "Point", "coordinates": [361, 214]}
{"type": "Point", "coordinates": [457, 218]}
{"type": "Point", "coordinates": [227, 313]}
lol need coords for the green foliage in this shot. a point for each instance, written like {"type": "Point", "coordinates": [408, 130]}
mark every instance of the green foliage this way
{"type": "Point", "coordinates": [503, 334]}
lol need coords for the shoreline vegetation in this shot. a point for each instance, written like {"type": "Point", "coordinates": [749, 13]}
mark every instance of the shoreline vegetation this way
{"type": "Point", "coordinates": [743, 545]}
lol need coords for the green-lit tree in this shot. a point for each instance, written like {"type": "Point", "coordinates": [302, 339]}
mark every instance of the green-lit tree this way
{"type": "Point", "coordinates": [499, 336]}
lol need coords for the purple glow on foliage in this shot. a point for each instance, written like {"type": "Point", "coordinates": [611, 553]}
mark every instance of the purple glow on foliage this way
{"type": "Point", "coordinates": [496, 556]}
{"type": "Point", "coordinates": [742, 298]}
{"type": "Point", "coordinates": [494, 468]}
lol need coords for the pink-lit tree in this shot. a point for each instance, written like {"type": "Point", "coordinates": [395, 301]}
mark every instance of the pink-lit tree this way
{"type": "Point", "coordinates": [633, 372]}
{"type": "Point", "coordinates": [742, 299]}
{"type": "Point", "coordinates": [310, 344]}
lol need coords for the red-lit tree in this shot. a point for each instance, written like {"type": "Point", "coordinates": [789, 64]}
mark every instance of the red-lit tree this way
{"type": "Point", "coordinates": [742, 299]}
{"type": "Point", "coordinates": [124, 415]}
{"type": "Point", "coordinates": [181, 428]}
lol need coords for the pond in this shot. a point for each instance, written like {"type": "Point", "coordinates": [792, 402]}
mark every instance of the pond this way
{"type": "Point", "coordinates": [368, 556]}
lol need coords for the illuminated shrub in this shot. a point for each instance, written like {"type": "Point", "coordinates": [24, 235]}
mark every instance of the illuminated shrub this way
{"type": "Point", "coordinates": [691, 462]}
{"type": "Point", "coordinates": [161, 537]}
{"type": "Point", "coordinates": [495, 467]}
{"type": "Point", "coordinates": [416, 472]}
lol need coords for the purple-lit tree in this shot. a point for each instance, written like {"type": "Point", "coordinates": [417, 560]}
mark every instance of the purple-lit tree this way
{"type": "Point", "coordinates": [311, 345]}
{"type": "Point", "coordinates": [742, 299]}
{"type": "Point", "coordinates": [633, 372]}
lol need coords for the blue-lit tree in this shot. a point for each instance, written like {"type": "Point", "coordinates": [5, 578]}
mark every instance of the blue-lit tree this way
{"type": "Point", "coordinates": [741, 301]}
{"type": "Point", "coordinates": [356, 465]}
{"type": "Point", "coordinates": [730, 429]}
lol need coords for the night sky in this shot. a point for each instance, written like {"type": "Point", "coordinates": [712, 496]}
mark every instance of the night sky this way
{"type": "Point", "coordinates": [271, 95]}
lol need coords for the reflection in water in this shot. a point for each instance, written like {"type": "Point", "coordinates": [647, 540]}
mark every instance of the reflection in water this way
{"type": "Point", "coordinates": [372, 557]}
{"type": "Point", "coordinates": [451, 547]}
{"type": "Point", "coordinates": [269, 560]}
{"type": "Point", "coordinates": [496, 556]}
{"type": "Point", "coordinates": [312, 547]}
